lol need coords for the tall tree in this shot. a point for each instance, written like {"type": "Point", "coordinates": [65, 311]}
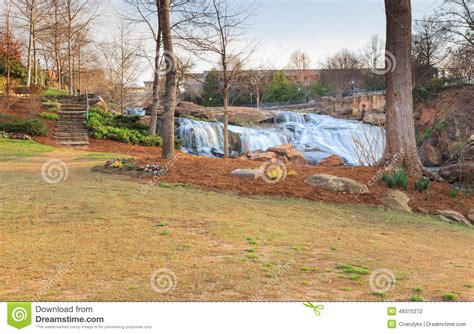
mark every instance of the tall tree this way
{"type": "Point", "coordinates": [77, 15]}
{"type": "Point", "coordinates": [222, 26]}
{"type": "Point", "coordinates": [120, 57]}
{"type": "Point", "coordinates": [32, 13]}
{"type": "Point", "coordinates": [169, 105]}
{"type": "Point", "coordinates": [401, 147]}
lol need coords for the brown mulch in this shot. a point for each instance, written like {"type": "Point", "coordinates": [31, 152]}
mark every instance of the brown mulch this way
{"type": "Point", "coordinates": [214, 174]}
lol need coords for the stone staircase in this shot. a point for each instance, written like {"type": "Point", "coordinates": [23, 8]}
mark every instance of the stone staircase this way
{"type": "Point", "coordinates": [70, 129]}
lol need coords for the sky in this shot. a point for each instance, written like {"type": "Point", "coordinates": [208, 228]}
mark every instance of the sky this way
{"type": "Point", "coordinates": [318, 27]}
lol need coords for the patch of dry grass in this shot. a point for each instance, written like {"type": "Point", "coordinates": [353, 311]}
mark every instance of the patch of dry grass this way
{"type": "Point", "coordinates": [98, 237]}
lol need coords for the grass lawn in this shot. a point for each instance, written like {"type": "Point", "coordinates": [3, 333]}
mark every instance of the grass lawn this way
{"type": "Point", "coordinates": [54, 92]}
{"type": "Point", "coordinates": [99, 237]}
{"type": "Point", "coordinates": [12, 149]}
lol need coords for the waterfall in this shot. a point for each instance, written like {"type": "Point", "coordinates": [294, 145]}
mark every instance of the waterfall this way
{"type": "Point", "coordinates": [207, 138]}
{"type": "Point", "coordinates": [317, 136]}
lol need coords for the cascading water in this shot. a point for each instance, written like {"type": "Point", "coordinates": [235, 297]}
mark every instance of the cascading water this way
{"type": "Point", "coordinates": [207, 138]}
{"type": "Point", "coordinates": [317, 136]}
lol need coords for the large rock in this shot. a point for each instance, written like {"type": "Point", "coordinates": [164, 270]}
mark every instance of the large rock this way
{"type": "Point", "coordinates": [396, 200]}
{"type": "Point", "coordinates": [288, 153]}
{"type": "Point", "coordinates": [375, 119]}
{"type": "Point", "coordinates": [337, 184]}
{"type": "Point", "coordinates": [261, 156]}
{"type": "Point", "coordinates": [453, 216]}
{"type": "Point", "coordinates": [332, 161]}
{"type": "Point", "coordinates": [250, 173]}
{"type": "Point", "coordinates": [429, 156]}
{"type": "Point", "coordinates": [453, 173]}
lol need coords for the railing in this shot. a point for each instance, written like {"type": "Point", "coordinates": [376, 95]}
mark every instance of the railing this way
{"type": "Point", "coordinates": [87, 110]}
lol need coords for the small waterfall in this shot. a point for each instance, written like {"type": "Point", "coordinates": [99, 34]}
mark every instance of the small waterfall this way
{"type": "Point", "coordinates": [207, 138]}
{"type": "Point", "coordinates": [290, 117]}
{"type": "Point", "coordinates": [317, 136]}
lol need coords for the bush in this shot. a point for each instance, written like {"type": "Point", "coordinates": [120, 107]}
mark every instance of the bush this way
{"type": "Point", "coordinates": [49, 115]}
{"type": "Point", "coordinates": [53, 106]}
{"type": "Point", "coordinates": [32, 127]}
{"type": "Point", "coordinates": [120, 128]}
{"type": "Point", "coordinates": [422, 184]}
{"type": "Point", "coordinates": [398, 178]}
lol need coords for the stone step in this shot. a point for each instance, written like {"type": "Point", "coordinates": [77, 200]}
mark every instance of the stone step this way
{"type": "Point", "coordinates": [73, 112]}
{"type": "Point", "coordinates": [72, 133]}
{"type": "Point", "coordinates": [78, 143]}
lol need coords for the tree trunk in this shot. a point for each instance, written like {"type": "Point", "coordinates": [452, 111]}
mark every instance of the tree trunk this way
{"type": "Point", "coordinates": [168, 151]}
{"type": "Point", "coordinates": [226, 122]}
{"type": "Point", "coordinates": [401, 148]}
{"type": "Point", "coordinates": [156, 80]}
{"type": "Point", "coordinates": [30, 51]}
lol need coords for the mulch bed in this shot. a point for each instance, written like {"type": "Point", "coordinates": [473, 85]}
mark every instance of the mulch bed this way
{"type": "Point", "coordinates": [214, 174]}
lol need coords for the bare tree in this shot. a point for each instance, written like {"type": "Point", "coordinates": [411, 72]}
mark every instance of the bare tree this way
{"type": "Point", "coordinates": [299, 60]}
{"type": "Point", "coordinates": [342, 69]}
{"type": "Point", "coordinates": [169, 105]}
{"type": "Point", "coordinates": [222, 28]}
{"type": "Point", "coordinates": [148, 13]}
{"type": "Point", "coordinates": [373, 52]}
{"type": "Point", "coordinates": [461, 63]}
{"type": "Point", "coordinates": [77, 16]}
{"type": "Point", "coordinates": [429, 42]}
{"type": "Point", "coordinates": [121, 64]}
{"type": "Point", "coordinates": [31, 13]}
{"type": "Point", "coordinates": [6, 41]}
{"type": "Point", "coordinates": [401, 141]}
{"type": "Point", "coordinates": [458, 18]}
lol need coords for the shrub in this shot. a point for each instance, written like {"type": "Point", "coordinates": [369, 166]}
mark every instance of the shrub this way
{"type": "Point", "coordinates": [453, 192]}
{"type": "Point", "coordinates": [32, 127]}
{"type": "Point", "coordinates": [49, 115]}
{"type": "Point", "coordinates": [124, 129]}
{"type": "Point", "coordinates": [422, 184]}
{"type": "Point", "coordinates": [53, 106]}
{"type": "Point", "coordinates": [398, 178]}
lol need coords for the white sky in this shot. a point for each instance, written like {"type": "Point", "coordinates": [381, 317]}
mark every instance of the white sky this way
{"type": "Point", "coordinates": [318, 27]}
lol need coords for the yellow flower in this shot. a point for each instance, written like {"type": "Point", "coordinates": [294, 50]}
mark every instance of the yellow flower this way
{"type": "Point", "coordinates": [117, 164]}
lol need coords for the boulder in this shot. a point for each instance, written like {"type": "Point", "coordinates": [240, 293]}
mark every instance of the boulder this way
{"type": "Point", "coordinates": [250, 173]}
{"type": "Point", "coordinates": [332, 161]}
{"type": "Point", "coordinates": [429, 156]}
{"type": "Point", "coordinates": [396, 200]}
{"type": "Point", "coordinates": [453, 173]}
{"type": "Point", "coordinates": [375, 119]}
{"type": "Point", "coordinates": [470, 217]}
{"type": "Point", "coordinates": [453, 216]}
{"type": "Point", "coordinates": [261, 156]}
{"type": "Point", "coordinates": [337, 184]}
{"type": "Point", "coordinates": [288, 153]}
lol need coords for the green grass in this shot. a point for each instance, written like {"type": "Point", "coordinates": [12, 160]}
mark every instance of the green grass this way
{"type": "Point", "coordinates": [98, 156]}
{"type": "Point", "coordinates": [450, 297]}
{"type": "Point", "coordinates": [50, 116]}
{"type": "Point", "coordinates": [55, 92]}
{"type": "Point", "coordinates": [11, 149]}
{"type": "Point", "coordinates": [350, 269]}
{"type": "Point", "coordinates": [416, 298]}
